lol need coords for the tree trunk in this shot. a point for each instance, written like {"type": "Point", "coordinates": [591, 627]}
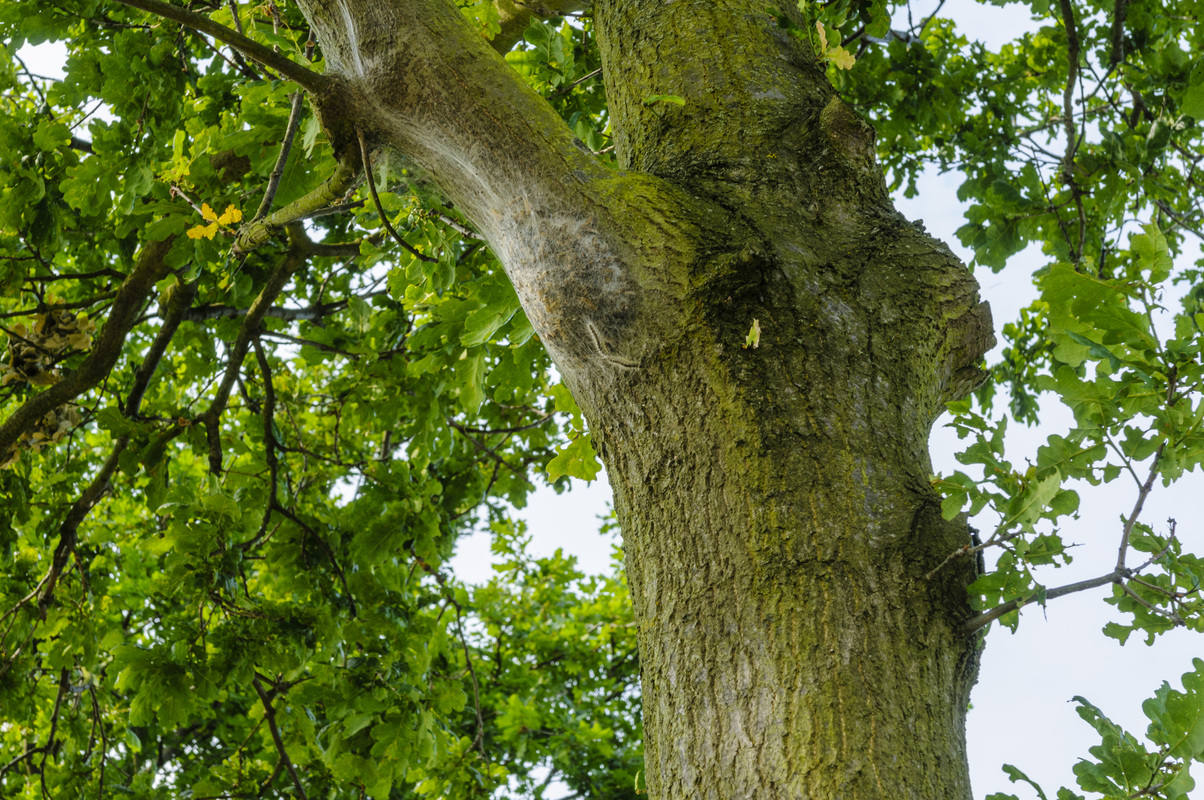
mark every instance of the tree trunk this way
{"type": "Point", "coordinates": [774, 495]}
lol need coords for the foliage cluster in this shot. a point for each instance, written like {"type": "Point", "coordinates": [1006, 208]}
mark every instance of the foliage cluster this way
{"type": "Point", "coordinates": [225, 544]}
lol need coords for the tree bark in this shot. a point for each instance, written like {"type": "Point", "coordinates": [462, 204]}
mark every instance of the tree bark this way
{"type": "Point", "coordinates": [775, 501]}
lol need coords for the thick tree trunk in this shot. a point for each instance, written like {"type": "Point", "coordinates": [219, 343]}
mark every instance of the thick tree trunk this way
{"type": "Point", "coordinates": [778, 519]}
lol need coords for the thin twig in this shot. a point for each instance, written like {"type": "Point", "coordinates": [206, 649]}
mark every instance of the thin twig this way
{"type": "Point", "coordinates": [384, 218]}
{"type": "Point", "coordinates": [270, 715]}
{"type": "Point", "coordinates": [104, 742]}
{"type": "Point", "coordinates": [574, 84]}
{"type": "Point", "coordinates": [322, 543]}
{"type": "Point", "coordinates": [1175, 618]}
{"type": "Point", "coordinates": [479, 741]}
{"type": "Point", "coordinates": [449, 593]}
{"type": "Point", "coordinates": [290, 131]}
{"type": "Point", "coordinates": [1136, 512]}
{"type": "Point", "coordinates": [64, 674]}
{"type": "Point", "coordinates": [987, 617]}
{"type": "Point", "coordinates": [516, 429]}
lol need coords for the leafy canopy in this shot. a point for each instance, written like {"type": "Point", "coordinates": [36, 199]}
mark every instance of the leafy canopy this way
{"type": "Point", "coordinates": [232, 475]}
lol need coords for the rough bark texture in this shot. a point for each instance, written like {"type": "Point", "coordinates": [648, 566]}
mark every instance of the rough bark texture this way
{"type": "Point", "coordinates": [777, 515]}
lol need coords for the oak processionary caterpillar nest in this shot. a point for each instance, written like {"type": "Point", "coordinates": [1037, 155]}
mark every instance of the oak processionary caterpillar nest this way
{"type": "Point", "coordinates": [31, 357]}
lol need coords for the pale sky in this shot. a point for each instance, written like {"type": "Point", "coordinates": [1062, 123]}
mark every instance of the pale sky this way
{"type": "Point", "coordinates": [1021, 714]}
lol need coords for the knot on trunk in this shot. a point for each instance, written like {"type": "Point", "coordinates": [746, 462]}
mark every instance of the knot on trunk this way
{"type": "Point", "coordinates": [970, 336]}
{"type": "Point", "coordinates": [851, 139]}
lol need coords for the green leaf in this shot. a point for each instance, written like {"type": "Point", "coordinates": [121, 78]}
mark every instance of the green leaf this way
{"type": "Point", "coordinates": [51, 135]}
{"type": "Point", "coordinates": [1153, 253]}
{"type": "Point", "coordinates": [481, 324]}
{"type": "Point", "coordinates": [1193, 102]}
{"type": "Point", "coordinates": [470, 375]}
{"type": "Point", "coordinates": [576, 459]}
{"type": "Point", "coordinates": [1031, 504]}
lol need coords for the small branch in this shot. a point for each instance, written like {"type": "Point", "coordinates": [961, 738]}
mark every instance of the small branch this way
{"type": "Point", "coordinates": [279, 278]}
{"type": "Point", "coordinates": [1175, 618]}
{"type": "Point", "coordinates": [104, 741]}
{"type": "Point", "coordinates": [1136, 512]}
{"type": "Point", "coordinates": [322, 543]}
{"type": "Point", "coordinates": [479, 741]}
{"type": "Point", "coordinates": [467, 233]}
{"type": "Point", "coordinates": [100, 273]}
{"type": "Point", "coordinates": [575, 84]}
{"type": "Point", "coordinates": [79, 510]}
{"type": "Point", "coordinates": [270, 715]}
{"type": "Point", "coordinates": [313, 204]}
{"type": "Point", "coordinates": [449, 593]}
{"type": "Point", "coordinates": [201, 313]}
{"type": "Point", "coordinates": [485, 448]}
{"type": "Point", "coordinates": [1072, 142]}
{"type": "Point", "coordinates": [29, 753]}
{"type": "Point", "coordinates": [309, 80]}
{"type": "Point", "coordinates": [269, 441]}
{"type": "Point", "coordinates": [178, 305]}
{"type": "Point", "coordinates": [987, 617]}
{"type": "Point", "coordinates": [516, 429]}
{"type": "Point", "coordinates": [269, 195]}
{"type": "Point", "coordinates": [325, 348]}
{"type": "Point", "coordinates": [64, 674]}
{"type": "Point", "coordinates": [1118, 32]}
{"type": "Point", "coordinates": [332, 210]}
{"type": "Point", "coordinates": [106, 349]}
{"type": "Point", "coordinates": [384, 218]}
{"type": "Point", "coordinates": [69, 529]}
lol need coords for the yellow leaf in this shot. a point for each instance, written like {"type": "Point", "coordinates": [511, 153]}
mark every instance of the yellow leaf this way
{"type": "Point", "coordinates": [823, 41]}
{"type": "Point", "coordinates": [840, 58]}
{"type": "Point", "coordinates": [206, 231]}
{"type": "Point", "coordinates": [207, 213]}
{"type": "Point", "coordinates": [231, 214]}
{"type": "Point", "coordinates": [754, 335]}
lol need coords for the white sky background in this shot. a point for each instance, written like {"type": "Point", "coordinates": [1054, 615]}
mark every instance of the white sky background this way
{"type": "Point", "coordinates": [1022, 714]}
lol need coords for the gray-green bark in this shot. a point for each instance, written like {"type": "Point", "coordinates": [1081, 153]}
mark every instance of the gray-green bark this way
{"type": "Point", "coordinates": [778, 520]}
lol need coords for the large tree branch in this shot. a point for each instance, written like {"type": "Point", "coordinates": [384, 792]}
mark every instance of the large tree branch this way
{"type": "Point", "coordinates": [68, 530]}
{"type": "Point", "coordinates": [580, 243]}
{"type": "Point", "coordinates": [515, 17]}
{"type": "Point", "coordinates": [309, 80]}
{"type": "Point", "coordinates": [127, 305]}
{"type": "Point", "coordinates": [334, 188]}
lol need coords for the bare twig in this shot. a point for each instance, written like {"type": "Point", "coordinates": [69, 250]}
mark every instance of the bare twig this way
{"type": "Point", "coordinates": [384, 218]}
{"type": "Point", "coordinates": [987, 617]}
{"type": "Point", "coordinates": [269, 714]}
{"type": "Point", "coordinates": [1136, 512]}
{"type": "Point", "coordinates": [290, 131]}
